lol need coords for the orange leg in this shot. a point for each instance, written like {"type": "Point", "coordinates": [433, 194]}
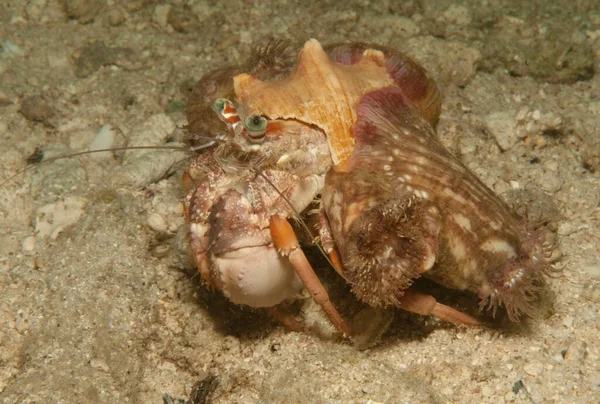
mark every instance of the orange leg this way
{"type": "Point", "coordinates": [422, 303]}
{"type": "Point", "coordinates": [336, 261]}
{"type": "Point", "coordinates": [286, 242]}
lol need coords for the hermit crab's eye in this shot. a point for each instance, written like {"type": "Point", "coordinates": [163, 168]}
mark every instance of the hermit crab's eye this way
{"type": "Point", "coordinates": [256, 126]}
{"type": "Point", "coordinates": [220, 104]}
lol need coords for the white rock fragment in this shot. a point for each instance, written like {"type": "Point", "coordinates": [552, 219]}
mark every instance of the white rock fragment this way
{"type": "Point", "coordinates": [53, 218]}
{"type": "Point", "coordinates": [104, 139]}
{"type": "Point", "coordinates": [501, 125]}
{"type": "Point", "coordinates": [157, 223]}
{"type": "Point", "coordinates": [28, 244]}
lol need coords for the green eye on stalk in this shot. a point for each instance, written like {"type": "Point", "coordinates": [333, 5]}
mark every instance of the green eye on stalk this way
{"type": "Point", "coordinates": [220, 104]}
{"type": "Point", "coordinates": [256, 126]}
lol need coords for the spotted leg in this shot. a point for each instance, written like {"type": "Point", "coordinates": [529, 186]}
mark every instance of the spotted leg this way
{"type": "Point", "coordinates": [286, 242]}
{"type": "Point", "coordinates": [424, 304]}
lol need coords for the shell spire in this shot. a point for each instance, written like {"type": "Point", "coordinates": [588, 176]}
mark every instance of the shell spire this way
{"type": "Point", "coordinates": [319, 92]}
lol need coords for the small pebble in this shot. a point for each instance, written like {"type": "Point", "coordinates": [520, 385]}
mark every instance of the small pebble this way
{"type": "Point", "coordinates": [161, 14]}
{"type": "Point", "coordinates": [533, 368]}
{"type": "Point", "coordinates": [116, 17]}
{"type": "Point", "coordinates": [566, 229]}
{"type": "Point", "coordinates": [28, 243]}
{"type": "Point", "coordinates": [568, 322]}
{"type": "Point", "coordinates": [157, 223]}
{"type": "Point", "coordinates": [575, 352]}
{"type": "Point", "coordinates": [182, 20]}
{"type": "Point", "coordinates": [487, 391]}
{"type": "Point", "coordinates": [231, 344]}
{"type": "Point", "coordinates": [448, 392]}
{"type": "Point", "coordinates": [36, 109]}
{"type": "Point", "coordinates": [85, 11]}
{"type": "Point", "coordinates": [501, 125]}
{"type": "Point", "coordinates": [551, 184]}
{"type": "Point", "coordinates": [161, 250]}
{"type": "Point", "coordinates": [99, 365]}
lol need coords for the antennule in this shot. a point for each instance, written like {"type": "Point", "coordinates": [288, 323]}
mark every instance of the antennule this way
{"type": "Point", "coordinates": [52, 159]}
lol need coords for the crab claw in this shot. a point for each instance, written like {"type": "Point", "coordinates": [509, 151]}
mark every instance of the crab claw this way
{"type": "Point", "coordinates": [244, 264]}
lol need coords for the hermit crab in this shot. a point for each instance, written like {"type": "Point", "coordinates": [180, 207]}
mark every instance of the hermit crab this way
{"type": "Point", "coordinates": [353, 124]}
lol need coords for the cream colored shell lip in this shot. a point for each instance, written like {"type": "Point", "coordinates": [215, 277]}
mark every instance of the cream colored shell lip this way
{"type": "Point", "coordinates": [319, 92]}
